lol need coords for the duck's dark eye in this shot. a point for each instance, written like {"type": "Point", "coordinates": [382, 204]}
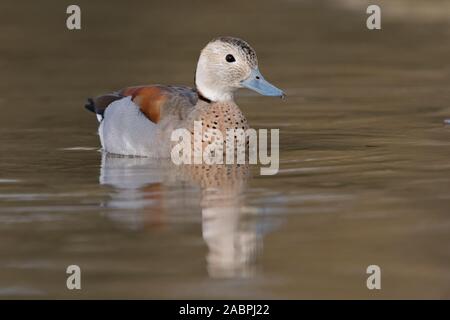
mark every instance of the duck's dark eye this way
{"type": "Point", "coordinates": [230, 58]}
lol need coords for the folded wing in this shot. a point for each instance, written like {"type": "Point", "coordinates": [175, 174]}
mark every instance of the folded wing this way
{"type": "Point", "coordinates": [153, 100]}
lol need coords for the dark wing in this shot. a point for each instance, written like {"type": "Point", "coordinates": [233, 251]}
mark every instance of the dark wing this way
{"type": "Point", "coordinates": [153, 100]}
{"type": "Point", "coordinates": [100, 103]}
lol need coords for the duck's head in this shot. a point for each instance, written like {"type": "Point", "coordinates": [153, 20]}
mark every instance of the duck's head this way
{"type": "Point", "coordinates": [227, 64]}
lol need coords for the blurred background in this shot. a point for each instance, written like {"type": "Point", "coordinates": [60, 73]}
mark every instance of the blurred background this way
{"type": "Point", "coordinates": [364, 154]}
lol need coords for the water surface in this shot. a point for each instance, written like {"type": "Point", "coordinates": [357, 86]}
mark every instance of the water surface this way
{"type": "Point", "coordinates": [364, 175]}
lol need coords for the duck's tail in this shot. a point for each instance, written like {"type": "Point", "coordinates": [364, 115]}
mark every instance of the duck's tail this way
{"type": "Point", "coordinates": [90, 105]}
{"type": "Point", "coordinates": [99, 104]}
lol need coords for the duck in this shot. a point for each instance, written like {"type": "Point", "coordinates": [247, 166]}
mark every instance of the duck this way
{"type": "Point", "coordinates": [138, 120]}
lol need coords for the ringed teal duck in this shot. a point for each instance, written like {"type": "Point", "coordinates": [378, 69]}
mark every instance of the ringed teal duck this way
{"type": "Point", "coordinates": [138, 121]}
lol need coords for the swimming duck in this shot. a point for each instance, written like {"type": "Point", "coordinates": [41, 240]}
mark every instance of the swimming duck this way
{"type": "Point", "coordinates": [138, 121]}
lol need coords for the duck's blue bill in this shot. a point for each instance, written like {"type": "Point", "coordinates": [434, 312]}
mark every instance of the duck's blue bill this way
{"type": "Point", "coordinates": [257, 83]}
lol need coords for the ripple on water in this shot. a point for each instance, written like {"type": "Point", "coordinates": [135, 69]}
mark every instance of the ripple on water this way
{"type": "Point", "coordinates": [6, 181]}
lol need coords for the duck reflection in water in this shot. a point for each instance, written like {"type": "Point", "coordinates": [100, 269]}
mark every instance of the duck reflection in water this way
{"type": "Point", "coordinates": [147, 187]}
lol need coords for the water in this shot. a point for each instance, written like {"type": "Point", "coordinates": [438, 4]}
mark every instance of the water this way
{"type": "Point", "coordinates": [364, 176]}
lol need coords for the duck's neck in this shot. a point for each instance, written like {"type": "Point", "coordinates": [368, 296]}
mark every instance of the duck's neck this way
{"type": "Point", "coordinates": [213, 95]}
{"type": "Point", "coordinates": [209, 86]}
{"type": "Point", "coordinates": [202, 97]}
